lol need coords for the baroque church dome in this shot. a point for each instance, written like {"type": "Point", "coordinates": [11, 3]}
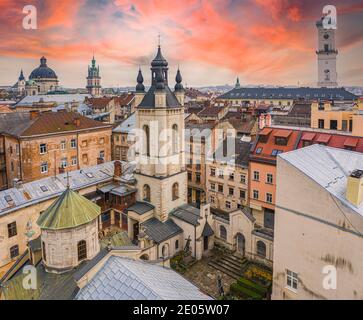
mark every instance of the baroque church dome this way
{"type": "Point", "coordinates": [43, 71]}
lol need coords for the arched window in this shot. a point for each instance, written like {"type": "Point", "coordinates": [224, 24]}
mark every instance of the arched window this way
{"type": "Point", "coordinates": [261, 249]}
{"type": "Point", "coordinates": [223, 232]}
{"type": "Point", "coordinates": [176, 244]}
{"type": "Point", "coordinates": [175, 144]}
{"type": "Point", "coordinates": [82, 250]}
{"type": "Point", "coordinates": [146, 193]}
{"type": "Point", "coordinates": [147, 140]}
{"type": "Point", "coordinates": [175, 191]}
{"type": "Point", "coordinates": [165, 251]}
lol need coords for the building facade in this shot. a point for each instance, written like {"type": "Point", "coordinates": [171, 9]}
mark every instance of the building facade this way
{"type": "Point", "coordinates": [319, 225]}
{"type": "Point", "coordinates": [40, 145]}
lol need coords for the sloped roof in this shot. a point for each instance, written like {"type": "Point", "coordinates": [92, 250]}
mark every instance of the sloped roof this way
{"type": "Point", "coordinates": [15, 123]}
{"type": "Point", "coordinates": [240, 153]}
{"type": "Point", "coordinates": [289, 93]}
{"type": "Point", "coordinates": [207, 230]}
{"type": "Point", "coordinates": [148, 102]}
{"type": "Point", "coordinates": [55, 122]}
{"type": "Point", "coordinates": [70, 210]}
{"type": "Point", "coordinates": [187, 213]}
{"type": "Point", "coordinates": [141, 207]}
{"type": "Point", "coordinates": [161, 231]}
{"type": "Point", "coordinates": [328, 167]}
{"type": "Point", "coordinates": [125, 279]}
{"type": "Point", "coordinates": [127, 125]}
{"type": "Point", "coordinates": [57, 98]}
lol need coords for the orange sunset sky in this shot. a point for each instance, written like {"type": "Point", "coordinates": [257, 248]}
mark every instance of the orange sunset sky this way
{"type": "Point", "coordinates": [261, 41]}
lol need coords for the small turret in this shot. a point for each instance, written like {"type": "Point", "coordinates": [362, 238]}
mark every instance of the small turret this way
{"type": "Point", "coordinates": [179, 89]}
{"type": "Point", "coordinates": [140, 79]}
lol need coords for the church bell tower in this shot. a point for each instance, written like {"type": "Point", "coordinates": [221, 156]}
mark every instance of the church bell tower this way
{"type": "Point", "coordinates": [160, 172]}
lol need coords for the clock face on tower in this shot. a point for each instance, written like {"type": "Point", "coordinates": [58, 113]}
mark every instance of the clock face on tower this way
{"type": "Point", "coordinates": [326, 36]}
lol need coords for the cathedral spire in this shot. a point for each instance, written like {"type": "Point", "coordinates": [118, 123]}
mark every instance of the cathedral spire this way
{"type": "Point", "coordinates": [21, 77]}
{"type": "Point", "coordinates": [237, 84]}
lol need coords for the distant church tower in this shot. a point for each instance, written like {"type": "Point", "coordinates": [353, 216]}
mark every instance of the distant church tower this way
{"type": "Point", "coordinates": [327, 56]}
{"type": "Point", "coordinates": [21, 83]}
{"type": "Point", "coordinates": [94, 79]}
{"type": "Point", "coordinates": [160, 172]}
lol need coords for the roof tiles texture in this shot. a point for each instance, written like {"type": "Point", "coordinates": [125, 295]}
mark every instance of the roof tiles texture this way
{"type": "Point", "coordinates": [124, 279]}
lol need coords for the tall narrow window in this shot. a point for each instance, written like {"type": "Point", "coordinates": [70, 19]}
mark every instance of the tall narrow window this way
{"type": "Point", "coordinates": [147, 138]}
{"type": "Point", "coordinates": [261, 249]}
{"type": "Point", "coordinates": [82, 250]}
{"type": "Point", "coordinates": [146, 193]}
{"type": "Point", "coordinates": [175, 145]}
{"type": "Point", "coordinates": [223, 232]}
{"type": "Point", "coordinates": [44, 252]}
{"type": "Point", "coordinates": [175, 191]}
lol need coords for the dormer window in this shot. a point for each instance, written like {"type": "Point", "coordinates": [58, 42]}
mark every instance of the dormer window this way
{"type": "Point", "coordinates": [280, 141]}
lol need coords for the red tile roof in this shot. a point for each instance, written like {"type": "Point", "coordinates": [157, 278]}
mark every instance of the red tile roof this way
{"type": "Point", "coordinates": [57, 122]}
{"type": "Point", "coordinates": [267, 151]}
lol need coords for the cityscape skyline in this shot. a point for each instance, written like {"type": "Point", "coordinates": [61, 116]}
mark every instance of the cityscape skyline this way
{"type": "Point", "coordinates": [276, 46]}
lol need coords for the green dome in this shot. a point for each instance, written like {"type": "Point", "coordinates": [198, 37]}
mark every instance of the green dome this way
{"type": "Point", "coordinates": [70, 210]}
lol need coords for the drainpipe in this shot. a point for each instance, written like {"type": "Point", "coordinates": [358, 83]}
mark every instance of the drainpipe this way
{"type": "Point", "coordinates": [195, 242]}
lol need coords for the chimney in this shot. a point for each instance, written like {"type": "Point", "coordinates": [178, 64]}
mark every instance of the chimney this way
{"type": "Point", "coordinates": [117, 169]}
{"type": "Point", "coordinates": [17, 183]}
{"type": "Point", "coordinates": [262, 122]}
{"type": "Point", "coordinates": [34, 114]}
{"type": "Point", "coordinates": [77, 121]}
{"type": "Point", "coordinates": [61, 170]}
{"type": "Point", "coordinates": [354, 192]}
{"type": "Point", "coordinates": [268, 119]}
{"type": "Point", "coordinates": [100, 160]}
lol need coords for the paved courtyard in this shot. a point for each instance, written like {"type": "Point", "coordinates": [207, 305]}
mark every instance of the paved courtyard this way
{"type": "Point", "coordinates": [205, 277]}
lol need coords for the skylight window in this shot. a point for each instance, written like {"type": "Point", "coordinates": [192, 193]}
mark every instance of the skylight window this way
{"type": "Point", "coordinates": [9, 199]}
{"type": "Point", "coordinates": [44, 188]}
{"type": "Point", "coordinates": [89, 175]}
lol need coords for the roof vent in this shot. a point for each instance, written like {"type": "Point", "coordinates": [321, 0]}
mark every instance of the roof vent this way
{"type": "Point", "coordinates": [354, 192]}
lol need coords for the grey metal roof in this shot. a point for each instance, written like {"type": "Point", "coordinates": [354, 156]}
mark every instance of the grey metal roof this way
{"type": "Point", "coordinates": [141, 207]}
{"type": "Point", "coordinates": [289, 93]}
{"type": "Point", "coordinates": [125, 279]}
{"type": "Point", "coordinates": [127, 125]}
{"type": "Point", "coordinates": [122, 190]}
{"type": "Point", "coordinates": [187, 213]}
{"type": "Point", "coordinates": [239, 155]}
{"type": "Point", "coordinates": [207, 230]}
{"type": "Point", "coordinates": [15, 123]}
{"type": "Point", "coordinates": [161, 231]}
{"type": "Point", "coordinates": [32, 192]}
{"type": "Point", "coordinates": [148, 102]}
{"type": "Point", "coordinates": [57, 98]}
{"type": "Point", "coordinates": [328, 167]}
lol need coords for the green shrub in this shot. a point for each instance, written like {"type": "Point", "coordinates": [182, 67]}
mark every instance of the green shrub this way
{"type": "Point", "coordinates": [252, 286]}
{"type": "Point", "coordinates": [243, 292]}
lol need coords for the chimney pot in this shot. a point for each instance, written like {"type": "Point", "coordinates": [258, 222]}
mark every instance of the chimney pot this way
{"type": "Point", "coordinates": [117, 168]}
{"type": "Point", "coordinates": [34, 114]}
{"type": "Point", "coordinates": [354, 193]}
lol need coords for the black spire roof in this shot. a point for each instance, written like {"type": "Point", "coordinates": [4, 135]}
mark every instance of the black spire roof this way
{"type": "Point", "coordinates": [140, 79]}
{"type": "Point", "coordinates": [21, 77]}
{"type": "Point", "coordinates": [43, 71]}
{"type": "Point", "coordinates": [159, 60]}
{"type": "Point", "coordinates": [178, 80]}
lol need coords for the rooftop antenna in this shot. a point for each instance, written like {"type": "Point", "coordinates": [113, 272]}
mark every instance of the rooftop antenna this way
{"type": "Point", "coordinates": [159, 39]}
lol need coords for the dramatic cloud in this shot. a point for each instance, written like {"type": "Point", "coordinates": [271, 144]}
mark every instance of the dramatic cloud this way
{"type": "Point", "coordinates": [264, 41]}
